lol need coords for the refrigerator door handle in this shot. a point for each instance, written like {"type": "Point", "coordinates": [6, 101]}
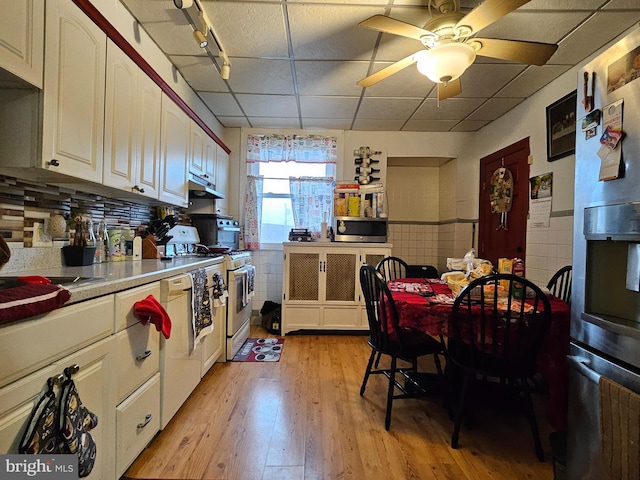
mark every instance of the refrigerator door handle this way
{"type": "Point", "coordinates": [581, 364]}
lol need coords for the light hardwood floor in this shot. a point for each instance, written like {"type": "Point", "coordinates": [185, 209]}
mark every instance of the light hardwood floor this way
{"type": "Point", "coordinates": [303, 418]}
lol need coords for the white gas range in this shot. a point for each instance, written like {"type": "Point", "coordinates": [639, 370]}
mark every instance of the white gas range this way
{"type": "Point", "coordinates": [239, 276]}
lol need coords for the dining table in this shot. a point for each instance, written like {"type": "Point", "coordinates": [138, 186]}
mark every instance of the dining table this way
{"type": "Point", "coordinates": [426, 304]}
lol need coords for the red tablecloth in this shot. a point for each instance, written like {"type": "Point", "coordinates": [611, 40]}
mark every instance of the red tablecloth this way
{"type": "Point", "coordinates": [426, 304]}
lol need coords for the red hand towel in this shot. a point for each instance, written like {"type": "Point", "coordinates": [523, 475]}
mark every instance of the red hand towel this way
{"type": "Point", "coordinates": [150, 309]}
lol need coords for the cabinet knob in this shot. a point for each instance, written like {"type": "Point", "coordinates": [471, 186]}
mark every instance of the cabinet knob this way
{"type": "Point", "coordinates": [147, 418]}
{"type": "Point", "coordinates": [54, 163]}
{"type": "Point", "coordinates": [142, 356]}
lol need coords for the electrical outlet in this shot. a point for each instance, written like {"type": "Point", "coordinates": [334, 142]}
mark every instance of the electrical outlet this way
{"type": "Point", "coordinates": [40, 238]}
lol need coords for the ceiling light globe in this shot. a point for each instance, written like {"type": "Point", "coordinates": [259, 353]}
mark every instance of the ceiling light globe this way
{"type": "Point", "coordinates": [200, 38]}
{"type": "Point", "coordinates": [446, 62]}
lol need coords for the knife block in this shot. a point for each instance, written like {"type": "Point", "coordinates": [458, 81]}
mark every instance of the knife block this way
{"type": "Point", "coordinates": [150, 248]}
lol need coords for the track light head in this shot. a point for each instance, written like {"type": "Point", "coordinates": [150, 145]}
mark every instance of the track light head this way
{"type": "Point", "coordinates": [200, 38]}
{"type": "Point", "coordinates": [225, 70]}
{"type": "Point", "coordinates": [183, 3]}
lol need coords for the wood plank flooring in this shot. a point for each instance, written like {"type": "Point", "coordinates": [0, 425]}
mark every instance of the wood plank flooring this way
{"type": "Point", "coordinates": [303, 418]}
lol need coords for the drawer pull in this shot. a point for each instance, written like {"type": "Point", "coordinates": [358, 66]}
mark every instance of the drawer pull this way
{"type": "Point", "coordinates": [144, 355]}
{"type": "Point", "coordinates": [147, 418]}
{"type": "Point", "coordinates": [71, 370]}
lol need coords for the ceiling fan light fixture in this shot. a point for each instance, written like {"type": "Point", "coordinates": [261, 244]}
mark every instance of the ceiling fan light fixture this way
{"type": "Point", "coordinates": [446, 62]}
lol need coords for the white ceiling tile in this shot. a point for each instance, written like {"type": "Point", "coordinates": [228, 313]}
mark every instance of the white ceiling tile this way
{"type": "Point", "coordinates": [249, 29]}
{"type": "Point", "coordinates": [328, 107]}
{"type": "Point", "coordinates": [331, 31]}
{"type": "Point", "coordinates": [494, 108]}
{"type": "Point", "coordinates": [562, 5]}
{"type": "Point", "coordinates": [268, 105]}
{"type": "Point", "coordinates": [156, 11]}
{"type": "Point", "coordinates": [330, 78]}
{"type": "Point", "coordinates": [200, 73]}
{"type": "Point", "coordinates": [429, 125]}
{"type": "Point", "coordinates": [327, 123]}
{"type": "Point", "coordinates": [449, 109]}
{"type": "Point", "coordinates": [221, 104]}
{"type": "Point", "coordinates": [388, 108]}
{"type": "Point", "coordinates": [483, 80]}
{"type": "Point", "coordinates": [252, 75]}
{"type": "Point", "coordinates": [234, 122]}
{"type": "Point", "coordinates": [533, 26]}
{"type": "Point", "coordinates": [469, 125]}
{"type": "Point", "coordinates": [591, 35]}
{"type": "Point", "coordinates": [181, 41]}
{"type": "Point", "coordinates": [622, 4]}
{"type": "Point", "coordinates": [274, 122]}
{"type": "Point", "coordinates": [532, 80]}
{"type": "Point", "coordinates": [371, 124]}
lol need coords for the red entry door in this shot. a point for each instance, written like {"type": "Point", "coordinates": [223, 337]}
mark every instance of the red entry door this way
{"type": "Point", "coordinates": [495, 242]}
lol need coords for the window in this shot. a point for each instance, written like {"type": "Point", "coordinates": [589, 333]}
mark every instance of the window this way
{"type": "Point", "coordinates": [276, 162]}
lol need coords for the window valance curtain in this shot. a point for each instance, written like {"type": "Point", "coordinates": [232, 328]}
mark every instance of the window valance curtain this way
{"type": "Point", "coordinates": [292, 148]}
{"type": "Point", "coordinates": [253, 212]}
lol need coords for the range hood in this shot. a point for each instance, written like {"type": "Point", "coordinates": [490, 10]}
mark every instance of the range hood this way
{"type": "Point", "coordinates": [202, 188]}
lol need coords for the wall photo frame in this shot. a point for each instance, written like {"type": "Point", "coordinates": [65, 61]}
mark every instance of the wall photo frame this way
{"type": "Point", "coordinates": [561, 127]}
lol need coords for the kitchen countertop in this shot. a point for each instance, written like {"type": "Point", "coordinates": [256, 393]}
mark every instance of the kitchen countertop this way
{"type": "Point", "coordinates": [111, 277]}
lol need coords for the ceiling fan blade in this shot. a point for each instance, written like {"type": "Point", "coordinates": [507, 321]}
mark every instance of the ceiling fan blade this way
{"type": "Point", "coordinates": [531, 53]}
{"type": "Point", "coordinates": [387, 71]}
{"type": "Point", "coordinates": [488, 12]}
{"type": "Point", "coordinates": [451, 89]}
{"type": "Point", "coordinates": [395, 27]}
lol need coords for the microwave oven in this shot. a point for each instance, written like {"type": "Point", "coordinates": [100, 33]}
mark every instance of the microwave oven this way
{"type": "Point", "coordinates": [360, 229]}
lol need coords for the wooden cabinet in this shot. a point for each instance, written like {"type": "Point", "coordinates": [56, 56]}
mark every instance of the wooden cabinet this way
{"type": "Point", "coordinates": [22, 39]}
{"type": "Point", "coordinates": [73, 95]}
{"type": "Point", "coordinates": [174, 153]}
{"type": "Point", "coordinates": [321, 287]}
{"type": "Point", "coordinates": [197, 159]}
{"type": "Point", "coordinates": [222, 179]}
{"type": "Point", "coordinates": [132, 127]}
{"type": "Point", "coordinates": [211, 159]}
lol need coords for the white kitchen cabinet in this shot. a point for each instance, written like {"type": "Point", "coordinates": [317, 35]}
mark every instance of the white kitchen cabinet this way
{"type": "Point", "coordinates": [197, 160]}
{"type": "Point", "coordinates": [96, 387]}
{"type": "Point", "coordinates": [137, 422]}
{"type": "Point", "coordinates": [211, 159]}
{"type": "Point", "coordinates": [222, 179]}
{"type": "Point", "coordinates": [321, 286]}
{"type": "Point", "coordinates": [174, 139]}
{"type": "Point", "coordinates": [22, 39]}
{"type": "Point", "coordinates": [73, 95]}
{"type": "Point", "coordinates": [132, 127]}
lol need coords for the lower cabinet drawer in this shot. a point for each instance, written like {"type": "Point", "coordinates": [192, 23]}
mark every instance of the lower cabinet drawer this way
{"type": "Point", "coordinates": [137, 421]}
{"type": "Point", "coordinates": [137, 357]}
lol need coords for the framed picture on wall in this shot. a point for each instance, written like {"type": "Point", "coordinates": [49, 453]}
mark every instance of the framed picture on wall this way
{"type": "Point", "coordinates": [561, 127]}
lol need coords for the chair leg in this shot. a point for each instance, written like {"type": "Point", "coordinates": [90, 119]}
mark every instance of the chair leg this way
{"type": "Point", "coordinates": [531, 415]}
{"type": "Point", "coordinates": [378, 359]}
{"type": "Point", "coordinates": [392, 386]}
{"type": "Point", "coordinates": [367, 372]}
{"type": "Point", "coordinates": [460, 411]}
{"type": "Point", "coordinates": [436, 359]}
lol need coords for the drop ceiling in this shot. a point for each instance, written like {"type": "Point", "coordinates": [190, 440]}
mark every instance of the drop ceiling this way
{"type": "Point", "coordinates": [295, 63]}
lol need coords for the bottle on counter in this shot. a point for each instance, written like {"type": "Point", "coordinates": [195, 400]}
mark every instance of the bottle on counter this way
{"type": "Point", "coordinates": [101, 242]}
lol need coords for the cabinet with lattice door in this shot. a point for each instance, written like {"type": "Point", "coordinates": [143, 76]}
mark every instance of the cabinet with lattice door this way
{"type": "Point", "coordinates": [321, 288]}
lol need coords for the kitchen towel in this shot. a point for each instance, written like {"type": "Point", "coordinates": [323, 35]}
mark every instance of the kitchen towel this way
{"type": "Point", "coordinates": [150, 310]}
{"type": "Point", "coordinates": [219, 290]}
{"type": "Point", "coordinates": [248, 284]}
{"type": "Point", "coordinates": [22, 302]}
{"type": "Point", "coordinates": [202, 322]}
{"type": "Point", "coordinates": [620, 430]}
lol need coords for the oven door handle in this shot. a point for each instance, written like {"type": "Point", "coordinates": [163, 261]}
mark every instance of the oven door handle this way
{"type": "Point", "coordinates": [229, 229]}
{"type": "Point", "coordinates": [581, 364]}
{"type": "Point", "coordinates": [240, 272]}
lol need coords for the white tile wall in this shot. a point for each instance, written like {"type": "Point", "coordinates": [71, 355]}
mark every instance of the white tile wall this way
{"type": "Point", "coordinates": [268, 284]}
{"type": "Point", "coordinates": [549, 249]}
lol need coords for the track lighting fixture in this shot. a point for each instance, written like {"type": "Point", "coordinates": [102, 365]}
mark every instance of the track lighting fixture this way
{"type": "Point", "coordinates": [200, 38]}
{"type": "Point", "coordinates": [225, 70]}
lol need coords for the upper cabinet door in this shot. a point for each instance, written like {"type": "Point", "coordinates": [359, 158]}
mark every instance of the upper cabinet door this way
{"type": "Point", "coordinates": [211, 159]}
{"type": "Point", "coordinates": [197, 160]}
{"type": "Point", "coordinates": [121, 130]}
{"type": "Point", "coordinates": [132, 127]}
{"type": "Point", "coordinates": [174, 138]}
{"type": "Point", "coordinates": [222, 179]}
{"type": "Point", "coordinates": [74, 86]}
{"type": "Point", "coordinates": [22, 39]}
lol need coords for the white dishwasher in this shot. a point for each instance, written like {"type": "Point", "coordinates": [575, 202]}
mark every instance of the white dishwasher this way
{"type": "Point", "coordinates": [180, 366]}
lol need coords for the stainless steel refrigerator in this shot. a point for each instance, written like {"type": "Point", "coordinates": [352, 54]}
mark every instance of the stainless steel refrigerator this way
{"type": "Point", "coordinates": [605, 310]}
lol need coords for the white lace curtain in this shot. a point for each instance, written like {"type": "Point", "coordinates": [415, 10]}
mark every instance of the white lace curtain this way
{"type": "Point", "coordinates": [311, 197]}
{"type": "Point", "coordinates": [292, 148]}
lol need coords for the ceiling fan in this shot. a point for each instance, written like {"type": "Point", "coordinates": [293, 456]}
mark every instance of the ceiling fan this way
{"type": "Point", "coordinates": [450, 46]}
